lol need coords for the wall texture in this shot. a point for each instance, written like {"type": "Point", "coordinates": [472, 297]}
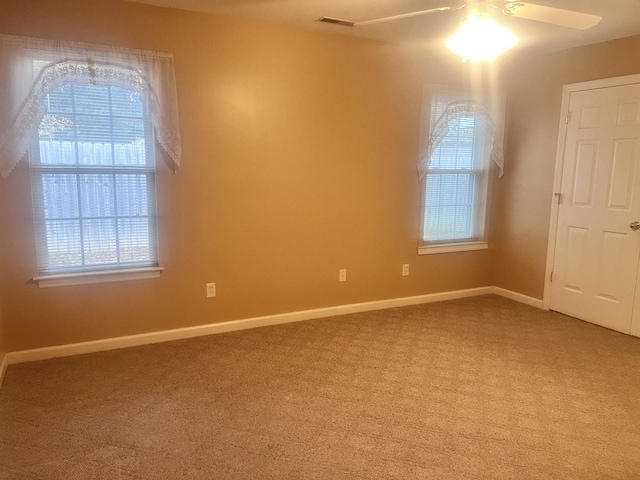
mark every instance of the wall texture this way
{"type": "Point", "coordinates": [522, 203]}
{"type": "Point", "coordinates": [299, 154]}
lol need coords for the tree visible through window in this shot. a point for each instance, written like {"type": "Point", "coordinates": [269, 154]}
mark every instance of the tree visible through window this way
{"type": "Point", "coordinates": [93, 181]}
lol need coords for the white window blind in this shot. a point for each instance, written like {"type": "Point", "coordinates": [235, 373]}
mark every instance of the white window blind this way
{"type": "Point", "coordinates": [93, 181]}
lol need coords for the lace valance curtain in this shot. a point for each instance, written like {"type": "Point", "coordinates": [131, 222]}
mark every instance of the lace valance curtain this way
{"type": "Point", "coordinates": [31, 68]}
{"type": "Point", "coordinates": [464, 109]}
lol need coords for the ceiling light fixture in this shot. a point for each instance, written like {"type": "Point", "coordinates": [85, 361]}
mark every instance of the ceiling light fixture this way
{"type": "Point", "coordinates": [480, 38]}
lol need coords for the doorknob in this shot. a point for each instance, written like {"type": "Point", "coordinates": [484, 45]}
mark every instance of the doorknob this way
{"type": "Point", "coordinates": [634, 225]}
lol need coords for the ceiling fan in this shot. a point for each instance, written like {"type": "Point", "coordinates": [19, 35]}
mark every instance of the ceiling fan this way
{"type": "Point", "coordinates": [510, 8]}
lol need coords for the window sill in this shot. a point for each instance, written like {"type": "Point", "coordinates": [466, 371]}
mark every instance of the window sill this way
{"type": "Point", "coordinates": [103, 276]}
{"type": "Point", "coordinates": [452, 247]}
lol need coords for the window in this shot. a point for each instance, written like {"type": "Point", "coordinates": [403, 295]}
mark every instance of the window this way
{"type": "Point", "coordinates": [93, 181]}
{"type": "Point", "coordinates": [455, 183]}
{"type": "Point", "coordinates": [91, 117]}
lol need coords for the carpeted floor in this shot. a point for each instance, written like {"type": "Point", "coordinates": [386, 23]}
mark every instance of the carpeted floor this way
{"type": "Point", "coordinates": [479, 388]}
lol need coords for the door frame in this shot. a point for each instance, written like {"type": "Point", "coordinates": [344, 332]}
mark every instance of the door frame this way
{"type": "Point", "coordinates": [567, 90]}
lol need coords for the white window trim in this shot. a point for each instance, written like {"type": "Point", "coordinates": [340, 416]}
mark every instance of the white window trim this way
{"type": "Point", "coordinates": [452, 247]}
{"type": "Point", "coordinates": [100, 276]}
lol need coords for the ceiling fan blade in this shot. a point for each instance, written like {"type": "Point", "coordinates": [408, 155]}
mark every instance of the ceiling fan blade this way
{"type": "Point", "coordinates": [348, 23]}
{"type": "Point", "coordinates": [556, 16]}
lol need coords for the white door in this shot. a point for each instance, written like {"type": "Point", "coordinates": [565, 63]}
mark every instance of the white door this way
{"type": "Point", "coordinates": [597, 249]}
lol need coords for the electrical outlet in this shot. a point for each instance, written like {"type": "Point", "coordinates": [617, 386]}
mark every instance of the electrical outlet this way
{"type": "Point", "coordinates": [211, 289]}
{"type": "Point", "coordinates": [343, 275]}
{"type": "Point", "coordinates": [405, 270]}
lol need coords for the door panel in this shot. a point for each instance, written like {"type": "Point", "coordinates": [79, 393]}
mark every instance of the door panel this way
{"type": "Point", "coordinates": [584, 174]}
{"type": "Point", "coordinates": [611, 262]}
{"type": "Point", "coordinates": [576, 247]}
{"type": "Point", "coordinates": [596, 262]}
{"type": "Point", "coordinates": [622, 174]}
{"type": "Point", "coordinates": [629, 112]}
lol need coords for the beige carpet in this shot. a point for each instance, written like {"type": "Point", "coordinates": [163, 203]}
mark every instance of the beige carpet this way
{"type": "Point", "coordinates": [480, 388]}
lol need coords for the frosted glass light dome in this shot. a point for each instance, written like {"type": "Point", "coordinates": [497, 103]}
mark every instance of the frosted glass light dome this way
{"type": "Point", "coordinates": [480, 38]}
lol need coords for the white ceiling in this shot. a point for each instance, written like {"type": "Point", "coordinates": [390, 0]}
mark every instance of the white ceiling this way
{"type": "Point", "coordinates": [620, 18]}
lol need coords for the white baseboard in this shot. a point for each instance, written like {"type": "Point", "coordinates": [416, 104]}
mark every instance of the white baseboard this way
{"type": "Point", "coordinates": [210, 329]}
{"type": "Point", "coordinates": [201, 330]}
{"type": "Point", "coordinates": [518, 297]}
{"type": "Point", "coordinates": [4, 363]}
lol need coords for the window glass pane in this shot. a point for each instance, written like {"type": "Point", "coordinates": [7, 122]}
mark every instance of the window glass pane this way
{"type": "Point", "coordinates": [133, 195]}
{"type": "Point", "coordinates": [61, 100]}
{"type": "Point", "coordinates": [99, 241]}
{"type": "Point", "coordinates": [128, 130]}
{"type": "Point", "coordinates": [58, 128]}
{"type": "Point", "coordinates": [91, 128]}
{"type": "Point", "coordinates": [95, 153]}
{"type": "Point", "coordinates": [56, 152]}
{"type": "Point", "coordinates": [129, 141]}
{"type": "Point", "coordinates": [464, 189]}
{"type": "Point", "coordinates": [60, 196]}
{"type": "Point", "coordinates": [462, 223]}
{"type": "Point", "coordinates": [63, 244]}
{"type": "Point", "coordinates": [98, 196]}
{"type": "Point", "coordinates": [448, 190]}
{"type": "Point", "coordinates": [134, 236]}
{"type": "Point", "coordinates": [126, 103]}
{"type": "Point", "coordinates": [91, 99]}
{"type": "Point", "coordinates": [134, 153]}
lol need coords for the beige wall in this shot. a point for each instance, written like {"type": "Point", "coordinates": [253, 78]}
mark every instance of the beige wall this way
{"type": "Point", "coordinates": [3, 349]}
{"type": "Point", "coordinates": [3, 268]}
{"type": "Point", "coordinates": [522, 203]}
{"type": "Point", "coordinates": [299, 155]}
{"type": "Point", "coordinates": [299, 159]}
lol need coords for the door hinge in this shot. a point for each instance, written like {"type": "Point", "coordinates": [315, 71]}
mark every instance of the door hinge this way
{"type": "Point", "coordinates": [567, 117]}
{"type": "Point", "coordinates": [558, 195]}
{"type": "Point", "coordinates": [551, 277]}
